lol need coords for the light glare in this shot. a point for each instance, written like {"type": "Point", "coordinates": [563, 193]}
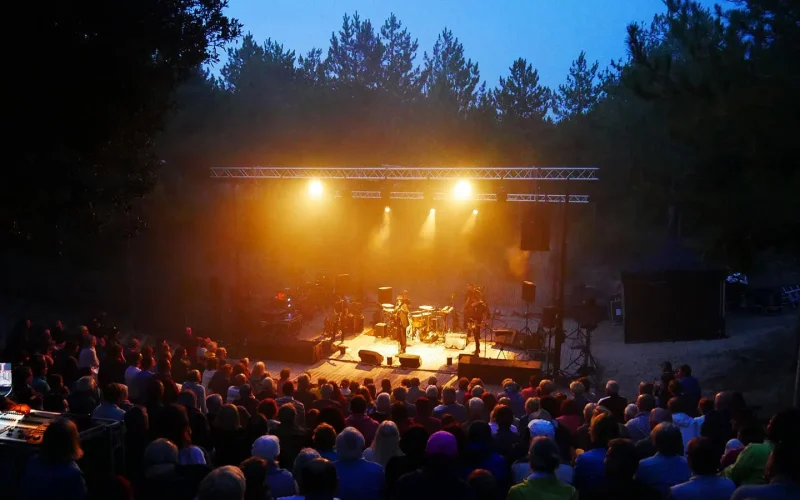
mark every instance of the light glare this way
{"type": "Point", "coordinates": [475, 212]}
{"type": "Point", "coordinates": [433, 211]}
{"type": "Point", "coordinates": [315, 189]}
{"type": "Point", "coordinates": [387, 210]}
{"type": "Point", "coordinates": [462, 190]}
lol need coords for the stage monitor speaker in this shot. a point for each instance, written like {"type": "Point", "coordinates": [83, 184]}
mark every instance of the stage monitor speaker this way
{"type": "Point", "coordinates": [344, 285]}
{"type": "Point", "coordinates": [453, 340]}
{"type": "Point", "coordinates": [380, 330]}
{"type": "Point", "coordinates": [504, 336]}
{"type": "Point", "coordinates": [528, 292]}
{"type": "Point", "coordinates": [494, 371]}
{"type": "Point", "coordinates": [370, 357]}
{"type": "Point", "coordinates": [549, 317]}
{"type": "Point", "coordinates": [535, 231]}
{"type": "Point", "coordinates": [385, 295]}
{"type": "Point", "coordinates": [409, 360]}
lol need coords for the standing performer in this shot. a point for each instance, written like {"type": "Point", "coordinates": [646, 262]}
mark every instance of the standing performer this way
{"type": "Point", "coordinates": [475, 317]}
{"type": "Point", "coordinates": [403, 312]}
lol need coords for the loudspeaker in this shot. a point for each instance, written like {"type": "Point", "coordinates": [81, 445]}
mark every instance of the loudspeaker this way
{"type": "Point", "coordinates": [409, 360]}
{"type": "Point", "coordinates": [380, 329]}
{"type": "Point", "coordinates": [528, 292]}
{"type": "Point", "coordinates": [344, 285]}
{"type": "Point", "coordinates": [494, 371]}
{"type": "Point", "coordinates": [358, 324]}
{"type": "Point", "coordinates": [504, 336]}
{"type": "Point", "coordinates": [535, 231]}
{"type": "Point", "coordinates": [370, 357]}
{"type": "Point", "coordinates": [549, 317]}
{"type": "Point", "coordinates": [385, 295]}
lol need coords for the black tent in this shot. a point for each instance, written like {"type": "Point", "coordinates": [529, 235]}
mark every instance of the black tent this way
{"type": "Point", "coordinates": [673, 295]}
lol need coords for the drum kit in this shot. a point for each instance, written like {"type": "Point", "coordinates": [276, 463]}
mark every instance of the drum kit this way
{"type": "Point", "coordinates": [428, 323]}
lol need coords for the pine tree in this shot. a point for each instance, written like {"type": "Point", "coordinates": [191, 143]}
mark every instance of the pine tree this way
{"type": "Point", "coordinates": [399, 75]}
{"type": "Point", "coordinates": [355, 54]}
{"type": "Point", "coordinates": [448, 77]}
{"type": "Point", "coordinates": [520, 96]}
{"type": "Point", "coordinates": [581, 92]}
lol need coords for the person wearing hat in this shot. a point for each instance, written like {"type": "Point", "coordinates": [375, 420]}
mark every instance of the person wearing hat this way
{"type": "Point", "coordinates": [511, 390]}
{"type": "Point", "coordinates": [281, 482]}
{"type": "Point", "coordinates": [439, 477]}
{"type": "Point", "coordinates": [544, 458]}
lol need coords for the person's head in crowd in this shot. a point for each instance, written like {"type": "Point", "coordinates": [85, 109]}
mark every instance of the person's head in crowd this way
{"type": "Point", "coordinates": [89, 341]}
{"type": "Point", "coordinates": [645, 403]}
{"type": "Point", "coordinates": [612, 388]}
{"type": "Point", "coordinates": [326, 391]}
{"type": "Point", "coordinates": [541, 427]}
{"type": "Point", "coordinates": [546, 387]}
{"type": "Point", "coordinates": [333, 417]}
{"type": "Point", "coordinates": [413, 441]}
{"type": "Point", "coordinates": [350, 444]}
{"type": "Point", "coordinates": [71, 348]}
{"type": "Point", "coordinates": [112, 394]}
{"type": "Point", "coordinates": [174, 425]}
{"type": "Point", "coordinates": [226, 370]}
{"type": "Point", "coordinates": [503, 417]}
{"type": "Point", "coordinates": [287, 414]}
{"type": "Point", "coordinates": [213, 403]}
{"type": "Point", "coordinates": [155, 391]}
{"type": "Point", "coordinates": [180, 354]}
{"type": "Point", "coordinates": [257, 426]}
{"type": "Point", "coordinates": [483, 484]}
{"type": "Point", "coordinates": [266, 447]}
{"type": "Point", "coordinates": [751, 433]}
{"type": "Point", "coordinates": [387, 442]}
{"type": "Point", "coordinates": [675, 405]}
{"type": "Point", "coordinates": [85, 384]}
{"type": "Point", "coordinates": [193, 377]}
{"type": "Point", "coordinates": [321, 381]}
{"type": "Point", "coordinates": [238, 370]}
{"type": "Point", "coordinates": [160, 452]}
{"type": "Point", "coordinates": [684, 371]}
{"type": "Point", "coordinates": [586, 383]}
{"type": "Point", "coordinates": [38, 365]}
{"type": "Point", "coordinates": [622, 460]}
{"type": "Point", "coordinates": [245, 392]}
{"type": "Point", "coordinates": [544, 456]}
{"type": "Point", "coordinates": [631, 411]}
{"type": "Point", "coordinates": [354, 386]}
{"type": "Point", "coordinates": [60, 443]}
{"type": "Point", "coordinates": [447, 419]}
{"type": "Point", "coordinates": [187, 399]}
{"type": "Point", "coordinates": [303, 382]}
{"type": "Point", "coordinates": [164, 366]}
{"type": "Point", "coordinates": [476, 409]}
{"type": "Point", "coordinates": [702, 456]}
{"type": "Point", "coordinates": [576, 388]}
{"type": "Point", "coordinates": [255, 478]}
{"type": "Point", "coordinates": [432, 393]}
{"type": "Point", "coordinates": [448, 395]}
{"type": "Point", "coordinates": [532, 405]}
{"type": "Point", "coordinates": [475, 382]}
{"type": "Point", "coordinates": [423, 407]}
{"type": "Point", "coordinates": [285, 373]}
{"type": "Point", "coordinates": [480, 435]}
{"type": "Point", "coordinates": [222, 353]}
{"type": "Point", "coordinates": [659, 416]}
{"type": "Point", "coordinates": [405, 382]}
{"type": "Point", "coordinates": [137, 422]}
{"type": "Point", "coordinates": [603, 429]}
{"type": "Point", "coordinates": [147, 363]}
{"type": "Point", "coordinates": [667, 439]}
{"type": "Point", "coordinates": [287, 389]}
{"type": "Point", "coordinates": [400, 394]}
{"type": "Point", "coordinates": [56, 382]}
{"type": "Point", "coordinates": [462, 383]}
{"type": "Point", "coordinates": [646, 388]}
{"type": "Point", "coordinates": [365, 393]}
{"type": "Point", "coordinates": [383, 402]}
{"type": "Point", "coordinates": [784, 464]}
{"type": "Point", "coordinates": [319, 479]}
{"type": "Point", "coordinates": [477, 391]}
{"type": "Point", "coordinates": [783, 427]}
{"type": "Point", "coordinates": [259, 369]}
{"type": "Point", "coordinates": [674, 388]}
{"type": "Point", "coordinates": [723, 401]}
{"type": "Point", "coordinates": [244, 416]}
{"type": "Point", "coordinates": [398, 413]}
{"type": "Point", "coordinates": [21, 377]}
{"type": "Point", "coordinates": [444, 444]}
{"type": "Point", "coordinates": [570, 407]}
{"type": "Point", "coordinates": [226, 483]}
{"type": "Point", "coordinates": [324, 437]}
{"type": "Point", "coordinates": [489, 401]}
{"type": "Point", "coordinates": [550, 405]}
{"type": "Point", "coordinates": [358, 405]}
{"type": "Point", "coordinates": [212, 364]}
{"type": "Point", "coordinates": [227, 418]}
{"type": "Point", "coordinates": [432, 380]}
{"type": "Point", "coordinates": [305, 456]}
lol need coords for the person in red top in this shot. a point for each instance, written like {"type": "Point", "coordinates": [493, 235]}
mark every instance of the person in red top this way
{"type": "Point", "coordinates": [571, 415]}
{"type": "Point", "coordinates": [530, 391]}
{"type": "Point", "coordinates": [357, 419]}
{"type": "Point", "coordinates": [424, 418]}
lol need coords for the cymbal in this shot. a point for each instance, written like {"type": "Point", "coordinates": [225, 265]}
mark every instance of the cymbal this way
{"type": "Point", "coordinates": [427, 308]}
{"type": "Point", "coordinates": [387, 306]}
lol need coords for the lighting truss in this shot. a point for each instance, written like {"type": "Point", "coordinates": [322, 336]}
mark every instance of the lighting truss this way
{"type": "Point", "coordinates": [420, 195]}
{"type": "Point", "coordinates": [391, 172]}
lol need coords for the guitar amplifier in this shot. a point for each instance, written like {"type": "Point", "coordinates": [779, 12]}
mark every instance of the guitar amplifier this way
{"type": "Point", "coordinates": [380, 330]}
{"type": "Point", "coordinates": [504, 336]}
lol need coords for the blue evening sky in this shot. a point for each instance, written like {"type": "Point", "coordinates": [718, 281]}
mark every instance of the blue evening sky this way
{"type": "Point", "coordinates": [548, 33]}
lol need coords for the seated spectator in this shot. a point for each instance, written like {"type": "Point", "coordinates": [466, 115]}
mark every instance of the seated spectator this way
{"type": "Point", "coordinates": [682, 421]}
{"type": "Point", "coordinates": [137, 437]}
{"type": "Point", "coordinates": [320, 480]}
{"type": "Point", "coordinates": [66, 363]}
{"type": "Point", "coordinates": [324, 441]}
{"type": "Point", "coordinates": [614, 402]}
{"type": "Point", "coordinates": [590, 465]}
{"type": "Point", "coordinates": [230, 443]}
{"type": "Point", "coordinates": [399, 415]}
{"type": "Point", "coordinates": [545, 459]}
{"type": "Point", "coordinates": [521, 469]}
{"type": "Point", "coordinates": [21, 390]}
{"type": "Point", "coordinates": [505, 438]}
{"type": "Point", "coordinates": [690, 387]}
{"type": "Point", "coordinates": [646, 447]}
{"type": "Point", "coordinates": [280, 481]}
{"type": "Point", "coordinates": [247, 399]}
{"type": "Point", "coordinates": [303, 392]}
{"type": "Point", "coordinates": [424, 418]}
{"type": "Point", "coordinates": [621, 464]}
{"type": "Point", "coordinates": [439, 477]}
{"type": "Point", "coordinates": [412, 446]}
{"type": "Point", "coordinates": [705, 484]}
{"type": "Point", "coordinates": [269, 409]}
{"type": "Point", "coordinates": [571, 416]}
{"type": "Point", "coordinates": [363, 423]}
{"type": "Point", "coordinates": [511, 390]}
{"type": "Point", "coordinates": [237, 381]}
{"type": "Point", "coordinates": [141, 380]}
{"type": "Point", "coordinates": [173, 424]}
{"type": "Point", "coordinates": [220, 382]}
{"type": "Point", "coordinates": [400, 394]}
{"type": "Point", "coordinates": [578, 394]}
{"type": "Point", "coordinates": [479, 454]}
{"type": "Point", "coordinates": [450, 406]}
{"type": "Point", "coordinates": [109, 407]}
{"type": "Point", "coordinates": [255, 478]}
{"type": "Point", "coordinates": [56, 399]}
{"type": "Point", "coordinates": [462, 388]}
{"type": "Point", "coordinates": [383, 405]}
{"type": "Point", "coordinates": [224, 482]}
{"type": "Point", "coordinates": [213, 404]}
{"type": "Point", "coordinates": [667, 467]}
{"type": "Point", "coordinates": [325, 401]}
{"type": "Point", "coordinates": [292, 437]}
{"type": "Point", "coordinates": [359, 479]}
{"type": "Point", "coordinates": [39, 371]}
{"type": "Point", "coordinates": [546, 388]}
{"type": "Point", "coordinates": [704, 407]}
{"type": "Point", "coordinates": [386, 444]}
{"type": "Point", "coordinates": [53, 473]}
{"type": "Point", "coordinates": [211, 369]}
{"type": "Point", "coordinates": [84, 400]}
{"type": "Point", "coordinates": [476, 412]}
{"type": "Point", "coordinates": [87, 357]}
{"type": "Point", "coordinates": [305, 456]}
{"type": "Point", "coordinates": [639, 426]}
{"type": "Point", "coordinates": [782, 474]}
{"type": "Point", "coordinates": [482, 484]}
{"type": "Point", "coordinates": [164, 478]}
{"type": "Point", "coordinates": [112, 368]}
{"type": "Point", "coordinates": [630, 411]}
{"type": "Point", "coordinates": [752, 433]}
{"type": "Point", "coordinates": [333, 417]}
{"type": "Point", "coordinates": [288, 397]}
{"type": "Point", "coordinates": [198, 422]}
{"type": "Point", "coordinates": [132, 360]}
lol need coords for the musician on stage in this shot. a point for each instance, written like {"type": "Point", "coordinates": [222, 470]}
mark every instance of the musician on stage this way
{"type": "Point", "coordinates": [403, 312]}
{"type": "Point", "coordinates": [475, 318]}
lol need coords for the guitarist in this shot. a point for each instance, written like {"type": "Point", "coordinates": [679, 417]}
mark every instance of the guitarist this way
{"type": "Point", "coordinates": [403, 312]}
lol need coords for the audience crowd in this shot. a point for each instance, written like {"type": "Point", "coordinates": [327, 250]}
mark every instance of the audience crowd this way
{"type": "Point", "coordinates": [199, 424]}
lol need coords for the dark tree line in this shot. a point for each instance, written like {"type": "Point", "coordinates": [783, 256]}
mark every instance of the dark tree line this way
{"type": "Point", "coordinates": [696, 126]}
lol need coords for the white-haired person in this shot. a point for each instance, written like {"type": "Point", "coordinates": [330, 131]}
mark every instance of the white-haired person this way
{"type": "Point", "coordinates": [614, 402]}
{"type": "Point", "coordinates": [476, 412]}
{"type": "Point", "coordinates": [544, 460]}
{"type": "Point", "coordinates": [520, 470]}
{"type": "Point", "coordinates": [450, 406]}
{"type": "Point", "coordinates": [385, 445]}
{"type": "Point", "coordinates": [225, 482]}
{"type": "Point", "coordinates": [358, 478]}
{"type": "Point", "coordinates": [281, 482]}
{"type": "Point", "coordinates": [578, 393]}
{"type": "Point", "coordinates": [383, 405]}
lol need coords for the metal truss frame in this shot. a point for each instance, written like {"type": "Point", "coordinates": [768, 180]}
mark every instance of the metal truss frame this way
{"type": "Point", "coordinates": [420, 195]}
{"type": "Point", "coordinates": [392, 172]}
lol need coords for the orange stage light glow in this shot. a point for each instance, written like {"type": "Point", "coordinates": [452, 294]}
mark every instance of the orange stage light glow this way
{"type": "Point", "coordinates": [315, 189]}
{"type": "Point", "coordinates": [462, 190]}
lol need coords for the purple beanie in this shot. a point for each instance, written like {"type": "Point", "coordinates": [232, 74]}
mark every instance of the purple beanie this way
{"type": "Point", "coordinates": [442, 443]}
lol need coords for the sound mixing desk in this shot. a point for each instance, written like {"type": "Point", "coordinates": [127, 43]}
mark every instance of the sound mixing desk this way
{"type": "Point", "coordinates": [24, 428]}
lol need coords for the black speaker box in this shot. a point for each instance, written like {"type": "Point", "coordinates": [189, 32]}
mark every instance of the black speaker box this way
{"type": "Point", "coordinates": [370, 357]}
{"type": "Point", "coordinates": [380, 330]}
{"type": "Point", "coordinates": [535, 231]}
{"type": "Point", "coordinates": [494, 371]}
{"type": "Point", "coordinates": [409, 360]}
{"type": "Point", "coordinates": [385, 295]}
{"type": "Point", "coordinates": [549, 317]}
{"type": "Point", "coordinates": [528, 292]}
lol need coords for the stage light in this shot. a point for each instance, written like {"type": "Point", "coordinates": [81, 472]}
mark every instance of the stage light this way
{"type": "Point", "coordinates": [387, 210]}
{"type": "Point", "coordinates": [433, 211]}
{"type": "Point", "coordinates": [475, 212]}
{"type": "Point", "coordinates": [315, 189]}
{"type": "Point", "coordinates": [462, 190]}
